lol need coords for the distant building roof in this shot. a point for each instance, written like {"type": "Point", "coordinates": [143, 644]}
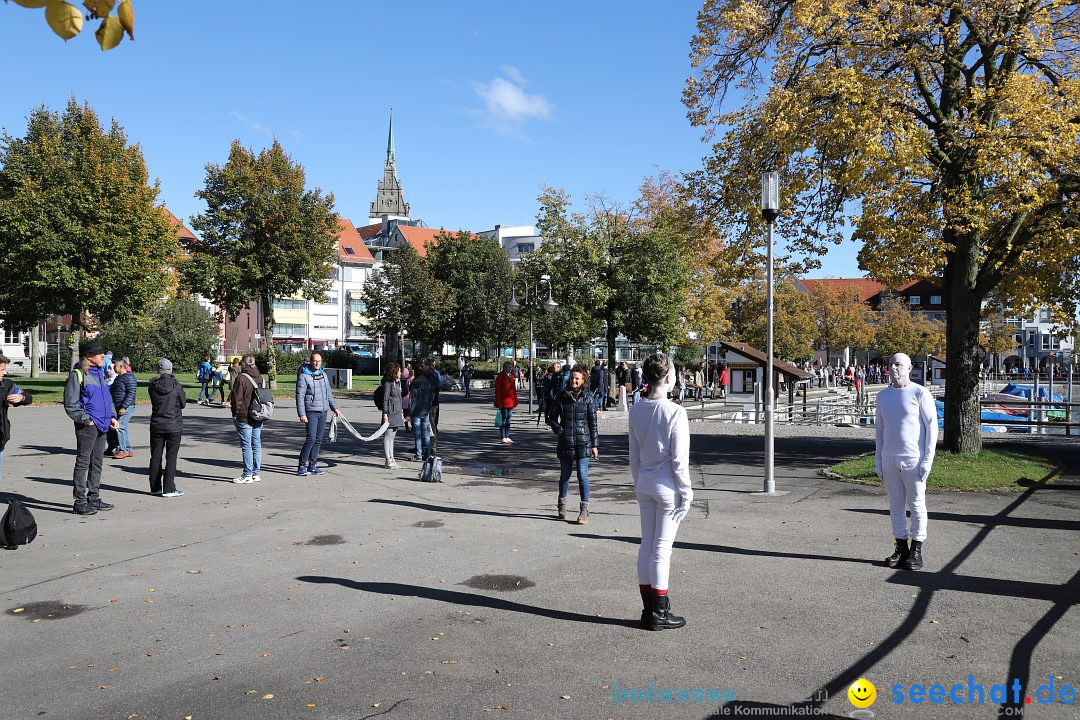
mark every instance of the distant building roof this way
{"type": "Point", "coordinates": [181, 230]}
{"type": "Point", "coordinates": [351, 247]}
{"type": "Point", "coordinates": [779, 365]}
{"type": "Point", "coordinates": [865, 288]}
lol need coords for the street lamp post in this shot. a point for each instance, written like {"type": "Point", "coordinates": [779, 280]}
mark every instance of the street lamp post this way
{"type": "Point", "coordinates": [770, 210]}
{"type": "Point", "coordinates": [531, 301]}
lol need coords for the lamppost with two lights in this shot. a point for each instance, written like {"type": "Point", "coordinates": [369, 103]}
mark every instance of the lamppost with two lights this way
{"type": "Point", "coordinates": [531, 300]}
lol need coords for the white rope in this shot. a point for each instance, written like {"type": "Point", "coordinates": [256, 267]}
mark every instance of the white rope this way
{"type": "Point", "coordinates": [353, 431]}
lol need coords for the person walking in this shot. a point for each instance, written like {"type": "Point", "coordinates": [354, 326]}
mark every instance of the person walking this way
{"type": "Point", "coordinates": [234, 374]}
{"type": "Point", "coordinates": [88, 403]}
{"type": "Point", "coordinates": [123, 397]}
{"type": "Point", "coordinates": [466, 378]}
{"type": "Point", "coordinates": [204, 376]}
{"type": "Point", "coordinates": [596, 385]}
{"type": "Point", "coordinates": [249, 431]}
{"type": "Point", "coordinates": [660, 466]}
{"type": "Point", "coordinates": [167, 402]}
{"type": "Point", "coordinates": [11, 395]}
{"type": "Point", "coordinates": [421, 394]}
{"type": "Point", "coordinates": [725, 382]}
{"type": "Point", "coordinates": [505, 400]}
{"type": "Point", "coordinates": [217, 384]}
{"type": "Point", "coordinates": [574, 423]}
{"type": "Point", "coordinates": [314, 399]}
{"type": "Point", "coordinates": [392, 411]}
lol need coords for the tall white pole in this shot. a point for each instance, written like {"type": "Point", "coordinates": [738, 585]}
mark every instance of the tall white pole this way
{"type": "Point", "coordinates": [770, 374]}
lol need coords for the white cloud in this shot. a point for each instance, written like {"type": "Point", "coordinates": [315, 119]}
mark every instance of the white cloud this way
{"type": "Point", "coordinates": [252, 125]}
{"type": "Point", "coordinates": [506, 104]}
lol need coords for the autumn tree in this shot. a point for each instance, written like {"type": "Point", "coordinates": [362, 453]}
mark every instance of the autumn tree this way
{"type": "Point", "coordinates": [79, 231]}
{"type": "Point", "coordinates": [264, 235]}
{"type": "Point", "coordinates": [841, 318]}
{"type": "Point", "coordinates": [949, 129]}
{"type": "Point", "coordinates": [475, 271]}
{"type": "Point", "coordinates": [180, 329]}
{"type": "Point", "coordinates": [615, 271]}
{"type": "Point", "coordinates": [899, 330]}
{"type": "Point", "coordinates": [996, 334]}
{"type": "Point", "coordinates": [406, 296]}
{"type": "Point", "coordinates": [793, 319]}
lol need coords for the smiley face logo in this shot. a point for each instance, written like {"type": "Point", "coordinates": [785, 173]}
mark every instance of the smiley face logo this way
{"type": "Point", "coordinates": [862, 693]}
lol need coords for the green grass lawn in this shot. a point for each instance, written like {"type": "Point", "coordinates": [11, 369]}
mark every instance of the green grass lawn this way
{"type": "Point", "coordinates": [50, 388]}
{"type": "Point", "coordinates": [989, 471]}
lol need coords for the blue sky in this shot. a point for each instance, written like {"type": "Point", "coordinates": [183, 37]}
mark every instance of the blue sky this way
{"type": "Point", "coordinates": [491, 100]}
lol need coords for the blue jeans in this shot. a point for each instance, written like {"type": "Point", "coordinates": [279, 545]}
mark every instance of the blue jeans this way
{"type": "Point", "coordinates": [598, 398]}
{"type": "Point", "coordinates": [421, 427]}
{"type": "Point", "coordinates": [504, 429]}
{"type": "Point", "coordinates": [567, 467]}
{"type": "Point", "coordinates": [204, 392]}
{"type": "Point", "coordinates": [316, 428]}
{"type": "Point", "coordinates": [251, 440]}
{"type": "Point", "coordinates": [123, 440]}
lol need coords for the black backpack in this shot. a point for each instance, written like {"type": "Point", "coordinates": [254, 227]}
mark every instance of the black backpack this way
{"type": "Point", "coordinates": [18, 526]}
{"type": "Point", "coordinates": [380, 396]}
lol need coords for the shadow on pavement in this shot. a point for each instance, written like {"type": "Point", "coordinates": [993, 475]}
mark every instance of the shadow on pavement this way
{"type": "Point", "coordinates": [463, 511]}
{"type": "Point", "coordinates": [988, 520]}
{"type": "Point", "coordinates": [730, 549]}
{"type": "Point", "coordinates": [461, 598]}
{"type": "Point", "coordinates": [34, 503]}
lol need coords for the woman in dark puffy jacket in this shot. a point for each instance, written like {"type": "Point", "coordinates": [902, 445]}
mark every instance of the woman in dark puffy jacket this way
{"type": "Point", "coordinates": [167, 401]}
{"type": "Point", "coordinates": [574, 422]}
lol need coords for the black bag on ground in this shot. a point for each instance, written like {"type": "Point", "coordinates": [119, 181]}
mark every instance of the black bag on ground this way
{"type": "Point", "coordinates": [18, 526]}
{"type": "Point", "coordinates": [431, 470]}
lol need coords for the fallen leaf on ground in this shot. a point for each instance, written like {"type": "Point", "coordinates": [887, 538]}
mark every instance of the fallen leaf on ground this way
{"type": "Point", "coordinates": [102, 687]}
{"type": "Point", "coordinates": [311, 704]}
{"type": "Point", "coordinates": [344, 647]}
{"type": "Point", "coordinates": [18, 610]}
{"type": "Point", "coordinates": [267, 654]}
{"type": "Point", "coordinates": [565, 697]}
{"type": "Point", "coordinates": [449, 662]}
{"type": "Point", "coordinates": [194, 572]}
{"type": "Point", "coordinates": [268, 696]}
{"type": "Point", "coordinates": [374, 704]}
{"type": "Point", "coordinates": [320, 678]}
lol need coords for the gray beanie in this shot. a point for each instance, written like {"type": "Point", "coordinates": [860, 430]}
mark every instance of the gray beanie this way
{"type": "Point", "coordinates": [164, 365]}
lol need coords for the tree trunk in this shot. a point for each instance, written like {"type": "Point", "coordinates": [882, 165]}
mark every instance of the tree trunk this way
{"type": "Point", "coordinates": [74, 338]}
{"type": "Point", "coordinates": [268, 334]}
{"type": "Point", "coordinates": [611, 335]}
{"type": "Point", "coordinates": [34, 332]}
{"type": "Point", "coordinates": [963, 427]}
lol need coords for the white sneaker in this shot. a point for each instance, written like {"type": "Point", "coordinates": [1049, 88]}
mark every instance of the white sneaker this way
{"type": "Point", "coordinates": [393, 465]}
{"type": "Point", "coordinates": [256, 478]}
{"type": "Point", "coordinates": [244, 480]}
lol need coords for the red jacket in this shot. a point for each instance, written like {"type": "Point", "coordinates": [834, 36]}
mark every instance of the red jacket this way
{"type": "Point", "coordinates": [505, 391]}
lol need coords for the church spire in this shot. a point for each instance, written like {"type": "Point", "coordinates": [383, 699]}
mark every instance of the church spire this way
{"type": "Point", "coordinates": [390, 197]}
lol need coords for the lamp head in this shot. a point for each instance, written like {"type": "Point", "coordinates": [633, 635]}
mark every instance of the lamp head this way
{"type": "Point", "coordinates": [770, 195]}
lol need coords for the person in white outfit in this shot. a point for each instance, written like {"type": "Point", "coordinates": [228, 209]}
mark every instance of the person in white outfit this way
{"type": "Point", "coordinates": [906, 437]}
{"type": "Point", "coordinates": [660, 466]}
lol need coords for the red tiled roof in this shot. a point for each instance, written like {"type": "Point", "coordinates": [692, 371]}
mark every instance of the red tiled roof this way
{"type": "Point", "coordinates": [367, 232]}
{"type": "Point", "coordinates": [419, 237]}
{"type": "Point", "coordinates": [351, 247]}
{"type": "Point", "coordinates": [181, 230]}
{"type": "Point", "coordinates": [863, 287]}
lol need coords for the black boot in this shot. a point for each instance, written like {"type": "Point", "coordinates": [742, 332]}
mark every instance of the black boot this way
{"type": "Point", "coordinates": [914, 559]}
{"type": "Point", "coordinates": [646, 606]}
{"type": "Point", "coordinates": [661, 618]}
{"type": "Point", "coordinates": [899, 554]}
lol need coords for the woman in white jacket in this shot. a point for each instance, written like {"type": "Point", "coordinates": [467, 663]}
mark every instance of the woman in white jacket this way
{"type": "Point", "coordinates": [660, 465]}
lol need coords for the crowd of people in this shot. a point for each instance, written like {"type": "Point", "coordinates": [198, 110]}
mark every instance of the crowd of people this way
{"type": "Point", "coordinates": [99, 397]}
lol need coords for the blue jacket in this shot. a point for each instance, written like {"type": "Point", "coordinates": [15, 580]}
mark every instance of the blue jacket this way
{"type": "Point", "coordinates": [123, 391]}
{"type": "Point", "coordinates": [313, 393]}
{"type": "Point", "coordinates": [89, 400]}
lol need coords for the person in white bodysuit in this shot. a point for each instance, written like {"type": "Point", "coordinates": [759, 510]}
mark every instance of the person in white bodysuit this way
{"type": "Point", "coordinates": [906, 437]}
{"type": "Point", "coordinates": [660, 465]}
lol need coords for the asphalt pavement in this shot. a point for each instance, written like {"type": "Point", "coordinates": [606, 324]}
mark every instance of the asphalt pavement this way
{"type": "Point", "coordinates": [363, 593]}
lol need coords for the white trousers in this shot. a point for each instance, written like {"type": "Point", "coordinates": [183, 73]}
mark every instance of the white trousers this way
{"type": "Point", "coordinates": [657, 534]}
{"type": "Point", "coordinates": [906, 492]}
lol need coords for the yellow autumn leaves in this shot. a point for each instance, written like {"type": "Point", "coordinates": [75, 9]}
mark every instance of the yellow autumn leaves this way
{"type": "Point", "coordinates": [66, 20]}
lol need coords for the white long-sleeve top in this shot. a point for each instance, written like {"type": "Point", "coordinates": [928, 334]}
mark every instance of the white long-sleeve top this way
{"type": "Point", "coordinates": [905, 424]}
{"type": "Point", "coordinates": [660, 446]}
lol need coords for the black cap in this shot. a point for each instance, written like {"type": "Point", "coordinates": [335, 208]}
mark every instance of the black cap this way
{"type": "Point", "coordinates": [92, 347]}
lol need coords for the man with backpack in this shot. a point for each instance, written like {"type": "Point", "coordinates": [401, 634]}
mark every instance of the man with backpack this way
{"type": "Point", "coordinates": [88, 403]}
{"type": "Point", "coordinates": [314, 399]}
{"type": "Point", "coordinates": [203, 376]}
{"type": "Point", "coordinates": [123, 396]}
{"type": "Point", "coordinates": [248, 428]}
{"type": "Point", "coordinates": [422, 393]}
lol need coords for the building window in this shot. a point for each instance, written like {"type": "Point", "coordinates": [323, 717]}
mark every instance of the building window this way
{"type": "Point", "coordinates": [1044, 315]}
{"type": "Point", "coordinates": [357, 306]}
{"type": "Point", "coordinates": [915, 300]}
{"type": "Point", "coordinates": [290, 304]}
{"type": "Point", "coordinates": [349, 251]}
{"type": "Point", "coordinates": [935, 299]}
{"type": "Point", "coordinates": [282, 330]}
{"type": "Point", "coordinates": [331, 299]}
{"type": "Point", "coordinates": [525, 248]}
{"type": "Point", "coordinates": [11, 337]}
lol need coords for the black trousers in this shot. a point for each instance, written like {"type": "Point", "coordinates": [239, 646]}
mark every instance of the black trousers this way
{"type": "Point", "coordinates": [89, 449]}
{"type": "Point", "coordinates": [169, 443]}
